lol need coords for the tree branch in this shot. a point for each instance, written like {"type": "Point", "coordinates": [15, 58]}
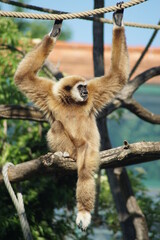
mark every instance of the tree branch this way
{"type": "Point", "coordinates": [124, 97]}
{"type": "Point", "coordinates": [20, 112]}
{"type": "Point", "coordinates": [121, 156]}
{"type": "Point", "coordinates": [143, 77]}
{"type": "Point", "coordinates": [54, 70]}
{"type": "Point", "coordinates": [12, 48]}
{"type": "Point", "coordinates": [141, 112]}
{"type": "Point", "coordinates": [144, 51]}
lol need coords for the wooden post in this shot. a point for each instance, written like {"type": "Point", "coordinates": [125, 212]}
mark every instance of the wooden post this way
{"type": "Point", "coordinates": [98, 50]}
{"type": "Point", "coordinates": [131, 218]}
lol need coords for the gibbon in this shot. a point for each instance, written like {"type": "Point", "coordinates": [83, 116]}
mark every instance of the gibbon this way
{"type": "Point", "coordinates": [71, 106]}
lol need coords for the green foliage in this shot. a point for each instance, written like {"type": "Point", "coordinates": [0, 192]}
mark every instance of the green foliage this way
{"type": "Point", "coordinates": [150, 206]}
{"type": "Point", "coordinates": [8, 32]}
{"type": "Point", "coordinates": [107, 206]}
{"type": "Point", "coordinates": [49, 201]}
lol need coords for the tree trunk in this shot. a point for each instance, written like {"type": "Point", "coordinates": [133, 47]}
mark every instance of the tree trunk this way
{"type": "Point", "coordinates": [131, 218]}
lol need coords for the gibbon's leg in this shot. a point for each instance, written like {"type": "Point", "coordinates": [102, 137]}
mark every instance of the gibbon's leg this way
{"type": "Point", "coordinates": [87, 163]}
{"type": "Point", "coordinates": [59, 141]}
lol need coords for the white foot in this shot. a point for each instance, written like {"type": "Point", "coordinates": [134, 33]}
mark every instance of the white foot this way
{"type": "Point", "coordinates": [58, 155]}
{"type": "Point", "coordinates": [83, 220]}
{"type": "Point", "coordinates": [66, 155]}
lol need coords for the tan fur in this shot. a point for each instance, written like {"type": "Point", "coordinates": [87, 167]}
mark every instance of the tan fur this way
{"type": "Point", "coordinates": [73, 124]}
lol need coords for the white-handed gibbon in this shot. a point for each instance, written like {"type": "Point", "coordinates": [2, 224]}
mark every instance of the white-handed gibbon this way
{"type": "Point", "coordinates": [71, 106]}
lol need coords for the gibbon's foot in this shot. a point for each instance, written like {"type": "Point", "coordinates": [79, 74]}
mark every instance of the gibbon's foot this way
{"type": "Point", "coordinates": [66, 155]}
{"type": "Point", "coordinates": [118, 16]}
{"type": "Point", "coordinates": [56, 30]}
{"type": "Point", "coordinates": [83, 220]}
{"type": "Point", "coordinates": [58, 155]}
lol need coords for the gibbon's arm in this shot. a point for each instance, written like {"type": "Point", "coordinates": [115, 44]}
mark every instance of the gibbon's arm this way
{"type": "Point", "coordinates": [103, 89]}
{"type": "Point", "coordinates": [38, 89]}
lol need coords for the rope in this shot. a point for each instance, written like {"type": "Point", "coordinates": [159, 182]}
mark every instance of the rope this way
{"type": "Point", "coordinates": [97, 19]}
{"type": "Point", "coordinates": [18, 203]}
{"type": "Point", "coordinates": [70, 15]}
{"type": "Point", "coordinates": [139, 25]}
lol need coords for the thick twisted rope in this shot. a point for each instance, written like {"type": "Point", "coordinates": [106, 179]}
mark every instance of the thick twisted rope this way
{"type": "Point", "coordinates": [18, 203]}
{"type": "Point", "coordinates": [70, 15]}
{"type": "Point", "coordinates": [98, 19]}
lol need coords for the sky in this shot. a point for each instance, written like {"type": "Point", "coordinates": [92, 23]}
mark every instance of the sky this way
{"type": "Point", "coordinates": [147, 12]}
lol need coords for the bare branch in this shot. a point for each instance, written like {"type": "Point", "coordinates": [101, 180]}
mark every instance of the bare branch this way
{"type": "Point", "coordinates": [130, 154]}
{"type": "Point", "coordinates": [140, 111]}
{"type": "Point", "coordinates": [12, 48]}
{"type": "Point", "coordinates": [124, 96]}
{"type": "Point", "coordinates": [143, 77]}
{"type": "Point", "coordinates": [54, 70]}
{"type": "Point", "coordinates": [117, 102]}
{"type": "Point", "coordinates": [144, 51]}
{"type": "Point", "coordinates": [20, 112]}
{"type": "Point", "coordinates": [121, 156]}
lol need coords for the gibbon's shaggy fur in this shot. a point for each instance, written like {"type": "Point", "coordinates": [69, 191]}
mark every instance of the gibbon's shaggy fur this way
{"type": "Point", "coordinates": [70, 106]}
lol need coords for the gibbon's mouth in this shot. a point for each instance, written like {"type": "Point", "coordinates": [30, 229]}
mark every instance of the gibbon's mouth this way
{"type": "Point", "coordinates": [84, 96]}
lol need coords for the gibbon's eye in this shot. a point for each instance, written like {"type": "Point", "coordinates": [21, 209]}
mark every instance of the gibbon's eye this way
{"type": "Point", "coordinates": [67, 88]}
{"type": "Point", "coordinates": [80, 86]}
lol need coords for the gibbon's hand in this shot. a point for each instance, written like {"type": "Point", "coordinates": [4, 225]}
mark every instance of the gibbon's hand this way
{"type": "Point", "coordinates": [56, 30]}
{"type": "Point", "coordinates": [118, 15]}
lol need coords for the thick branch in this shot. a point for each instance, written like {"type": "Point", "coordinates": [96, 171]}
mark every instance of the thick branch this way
{"type": "Point", "coordinates": [121, 156]}
{"type": "Point", "coordinates": [130, 154]}
{"type": "Point", "coordinates": [20, 112]}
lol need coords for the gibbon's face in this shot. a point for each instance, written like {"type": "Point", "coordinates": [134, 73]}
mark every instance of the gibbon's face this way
{"type": "Point", "coordinates": [71, 89]}
{"type": "Point", "coordinates": [79, 92]}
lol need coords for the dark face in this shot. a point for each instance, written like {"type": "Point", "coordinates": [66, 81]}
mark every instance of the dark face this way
{"type": "Point", "coordinates": [83, 91]}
